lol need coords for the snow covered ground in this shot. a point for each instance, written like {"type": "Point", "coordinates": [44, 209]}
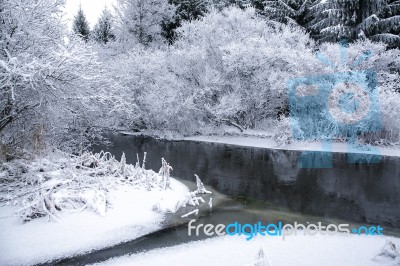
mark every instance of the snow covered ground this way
{"type": "Point", "coordinates": [130, 211]}
{"type": "Point", "coordinates": [130, 217]}
{"type": "Point", "coordinates": [263, 141]}
{"type": "Point", "coordinates": [343, 250]}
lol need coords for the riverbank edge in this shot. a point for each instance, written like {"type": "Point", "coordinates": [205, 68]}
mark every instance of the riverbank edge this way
{"type": "Point", "coordinates": [264, 140]}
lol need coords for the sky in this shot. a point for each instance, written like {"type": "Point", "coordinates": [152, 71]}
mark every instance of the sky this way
{"type": "Point", "coordinates": [91, 8]}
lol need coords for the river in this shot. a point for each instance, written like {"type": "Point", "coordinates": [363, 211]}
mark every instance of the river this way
{"type": "Point", "coordinates": [256, 184]}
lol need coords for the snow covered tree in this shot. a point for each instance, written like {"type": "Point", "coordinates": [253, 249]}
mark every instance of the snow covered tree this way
{"type": "Point", "coordinates": [232, 66]}
{"type": "Point", "coordinates": [241, 66]}
{"type": "Point", "coordinates": [384, 26]}
{"type": "Point", "coordinates": [376, 19]}
{"type": "Point", "coordinates": [190, 10]}
{"type": "Point", "coordinates": [141, 20]}
{"type": "Point", "coordinates": [47, 83]}
{"type": "Point", "coordinates": [289, 11]}
{"type": "Point", "coordinates": [80, 25]}
{"type": "Point", "coordinates": [334, 20]}
{"type": "Point", "coordinates": [185, 10]}
{"type": "Point", "coordinates": [103, 31]}
{"type": "Point", "coordinates": [258, 5]}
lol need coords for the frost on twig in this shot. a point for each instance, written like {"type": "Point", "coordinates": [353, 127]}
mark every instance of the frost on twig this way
{"type": "Point", "coordinates": [144, 160]}
{"type": "Point", "coordinates": [123, 163]}
{"type": "Point", "coordinates": [164, 172]}
{"type": "Point", "coordinates": [38, 205]}
{"type": "Point", "coordinates": [192, 199]}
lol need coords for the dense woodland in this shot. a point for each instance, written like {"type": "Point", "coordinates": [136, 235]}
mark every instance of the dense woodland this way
{"type": "Point", "coordinates": [182, 66]}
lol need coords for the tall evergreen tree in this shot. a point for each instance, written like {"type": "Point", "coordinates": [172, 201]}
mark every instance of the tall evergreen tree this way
{"type": "Point", "coordinates": [141, 20]}
{"type": "Point", "coordinates": [289, 11]}
{"type": "Point", "coordinates": [257, 4]}
{"type": "Point", "coordinates": [80, 25]}
{"type": "Point", "coordinates": [335, 19]}
{"type": "Point", "coordinates": [103, 30]}
{"type": "Point", "coordinates": [351, 19]}
{"type": "Point", "coordinates": [386, 27]}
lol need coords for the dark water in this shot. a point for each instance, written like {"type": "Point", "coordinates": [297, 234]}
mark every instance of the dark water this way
{"type": "Point", "coordinates": [255, 184]}
{"type": "Point", "coordinates": [359, 193]}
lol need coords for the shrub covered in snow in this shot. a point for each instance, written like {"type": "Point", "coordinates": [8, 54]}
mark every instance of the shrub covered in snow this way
{"type": "Point", "coordinates": [46, 186]}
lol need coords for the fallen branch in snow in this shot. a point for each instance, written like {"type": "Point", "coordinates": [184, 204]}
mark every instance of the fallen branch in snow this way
{"type": "Point", "coordinates": [195, 212]}
{"type": "Point", "coordinates": [389, 250]}
{"type": "Point", "coordinates": [229, 122]}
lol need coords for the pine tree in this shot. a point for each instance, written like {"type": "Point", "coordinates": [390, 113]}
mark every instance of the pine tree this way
{"type": "Point", "coordinates": [221, 4]}
{"type": "Point", "coordinates": [142, 20]}
{"type": "Point", "coordinates": [352, 19]}
{"type": "Point", "coordinates": [103, 30]}
{"type": "Point", "coordinates": [386, 27]}
{"type": "Point", "coordinates": [80, 25]}
{"type": "Point", "coordinates": [334, 19]}
{"type": "Point", "coordinates": [289, 11]}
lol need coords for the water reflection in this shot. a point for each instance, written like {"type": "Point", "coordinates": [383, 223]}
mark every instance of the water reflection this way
{"type": "Point", "coordinates": [360, 193]}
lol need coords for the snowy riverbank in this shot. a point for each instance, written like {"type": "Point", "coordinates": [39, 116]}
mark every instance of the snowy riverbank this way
{"type": "Point", "coordinates": [343, 250]}
{"type": "Point", "coordinates": [269, 143]}
{"type": "Point", "coordinates": [60, 206]}
{"type": "Point", "coordinates": [264, 139]}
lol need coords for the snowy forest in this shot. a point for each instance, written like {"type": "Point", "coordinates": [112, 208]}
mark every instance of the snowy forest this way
{"type": "Point", "coordinates": [181, 66]}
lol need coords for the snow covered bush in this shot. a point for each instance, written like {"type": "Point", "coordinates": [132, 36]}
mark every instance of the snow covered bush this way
{"type": "Point", "coordinates": [62, 182]}
{"type": "Point", "coordinates": [367, 55]}
{"type": "Point", "coordinates": [227, 66]}
{"type": "Point", "coordinates": [390, 108]}
{"type": "Point", "coordinates": [192, 198]}
{"type": "Point", "coordinates": [246, 63]}
{"type": "Point", "coordinates": [283, 132]}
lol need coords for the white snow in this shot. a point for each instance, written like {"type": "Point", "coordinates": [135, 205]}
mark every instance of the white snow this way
{"type": "Point", "coordinates": [343, 250]}
{"type": "Point", "coordinates": [130, 217]}
{"type": "Point", "coordinates": [262, 141]}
